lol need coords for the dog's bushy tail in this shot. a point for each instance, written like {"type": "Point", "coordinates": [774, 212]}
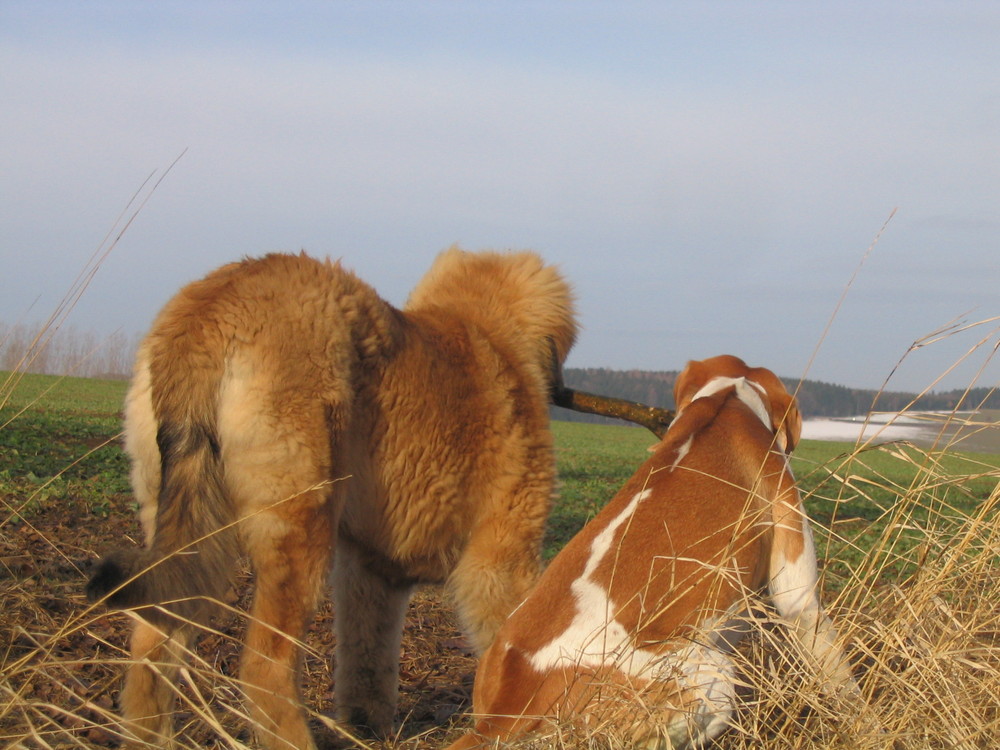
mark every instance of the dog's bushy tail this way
{"type": "Point", "coordinates": [191, 558]}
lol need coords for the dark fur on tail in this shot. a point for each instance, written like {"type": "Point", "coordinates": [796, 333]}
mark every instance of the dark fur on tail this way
{"type": "Point", "coordinates": [111, 573]}
{"type": "Point", "coordinates": [191, 560]}
{"type": "Point", "coordinates": [186, 571]}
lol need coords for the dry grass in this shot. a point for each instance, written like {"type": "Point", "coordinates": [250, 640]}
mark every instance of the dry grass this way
{"type": "Point", "coordinates": [926, 648]}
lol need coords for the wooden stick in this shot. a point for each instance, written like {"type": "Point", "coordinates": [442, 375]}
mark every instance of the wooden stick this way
{"type": "Point", "coordinates": [653, 418]}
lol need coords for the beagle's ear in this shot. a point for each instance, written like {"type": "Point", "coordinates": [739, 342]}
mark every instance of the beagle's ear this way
{"type": "Point", "coordinates": [787, 418]}
{"type": "Point", "coordinates": [688, 383]}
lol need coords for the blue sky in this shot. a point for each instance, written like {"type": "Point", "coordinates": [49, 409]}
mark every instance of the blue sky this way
{"type": "Point", "coordinates": [708, 175]}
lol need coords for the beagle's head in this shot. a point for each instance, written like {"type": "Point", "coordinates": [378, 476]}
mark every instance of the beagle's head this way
{"type": "Point", "coordinates": [709, 375]}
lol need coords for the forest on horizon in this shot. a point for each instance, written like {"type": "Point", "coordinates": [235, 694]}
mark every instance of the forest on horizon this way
{"type": "Point", "coordinates": [65, 350]}
{"type": "Point", "coordinates": [816, 398]}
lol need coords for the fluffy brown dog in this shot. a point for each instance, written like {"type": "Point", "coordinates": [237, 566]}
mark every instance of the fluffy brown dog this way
{"type": "Point", "coordinates": [280, 407]}
{"type": "Point", "coordinates": [630, 628]}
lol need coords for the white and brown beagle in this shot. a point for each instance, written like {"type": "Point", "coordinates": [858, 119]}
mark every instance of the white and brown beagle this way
{"type": "Point", "coordinates": [631, 627]}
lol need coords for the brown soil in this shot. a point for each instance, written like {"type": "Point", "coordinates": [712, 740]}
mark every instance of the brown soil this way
{"type": "Point", "coordinates": [59, 661]}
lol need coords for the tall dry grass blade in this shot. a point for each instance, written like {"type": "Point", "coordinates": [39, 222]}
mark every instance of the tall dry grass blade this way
{"type": "Point", "coordinates": [83, 280]}
{"type": "Point", "coordinates": [843, 296]}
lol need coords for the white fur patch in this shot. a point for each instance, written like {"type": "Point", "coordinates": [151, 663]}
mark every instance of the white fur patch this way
{"type": "Point", "coordinates": [682, 452]}
{"type": "Point", "coordinates": [594, 636]}
{"type": "Point", "coordinates": [140, 444]}
{"type": "Point", "coordinates": [710, 676]}
{"type": "Point", "coordinates": [747, 391]}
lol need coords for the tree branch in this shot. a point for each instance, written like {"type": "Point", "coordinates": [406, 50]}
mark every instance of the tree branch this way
{"type": "Point", "coordinates": [653, 418]}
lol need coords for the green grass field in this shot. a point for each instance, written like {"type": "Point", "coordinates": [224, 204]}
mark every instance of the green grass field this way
{"type": "Point", "coordinates": [60, 435]}
{"type": "Point", "coordinates": [908, 542]}
{"type": "Point", "coordinates": [58, 439]}
{"type": "Point", "coordinates": [852, 496]}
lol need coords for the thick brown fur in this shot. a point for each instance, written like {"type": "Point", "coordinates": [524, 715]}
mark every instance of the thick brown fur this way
{"type": "Point", "coordinates": [280, 407]}
{"type": "Point", "coordinates": [629, 629]}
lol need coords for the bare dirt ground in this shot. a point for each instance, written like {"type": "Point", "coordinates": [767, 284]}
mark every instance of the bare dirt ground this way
{"type": "Point", "coordinates": [64, 682]}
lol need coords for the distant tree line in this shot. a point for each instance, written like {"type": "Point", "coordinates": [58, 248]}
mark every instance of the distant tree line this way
{"type": "Point", "coordinates": [816, 399]}
{"type": "Point", "coordinates": [69, 351]}
{"type": "Point", "coordinates": [66, 351]}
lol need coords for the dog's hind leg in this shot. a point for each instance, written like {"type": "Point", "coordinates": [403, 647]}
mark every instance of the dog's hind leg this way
{"type": "Point", "coordinates": [290, 550]}
{"type": "Point", "coordinates": [148, 696]}
{"type": "Point", "coordinates": [368, 617]}
{"type": "Point", "coordinates": [147, 700]}
{"type": "Point", "coordinates": [288, 530]}
{"type": "Point", "coordinates": [276, 449]}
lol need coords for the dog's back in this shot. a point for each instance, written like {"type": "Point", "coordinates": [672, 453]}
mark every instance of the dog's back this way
{"type": "Point", "coordinates": [465, 399]}
{"type": "Point", "coordinates": [228, 358]}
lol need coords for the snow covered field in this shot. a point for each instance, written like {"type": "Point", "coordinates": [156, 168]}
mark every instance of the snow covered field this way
{"type": "Point", "coordinates": [979, 432]}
